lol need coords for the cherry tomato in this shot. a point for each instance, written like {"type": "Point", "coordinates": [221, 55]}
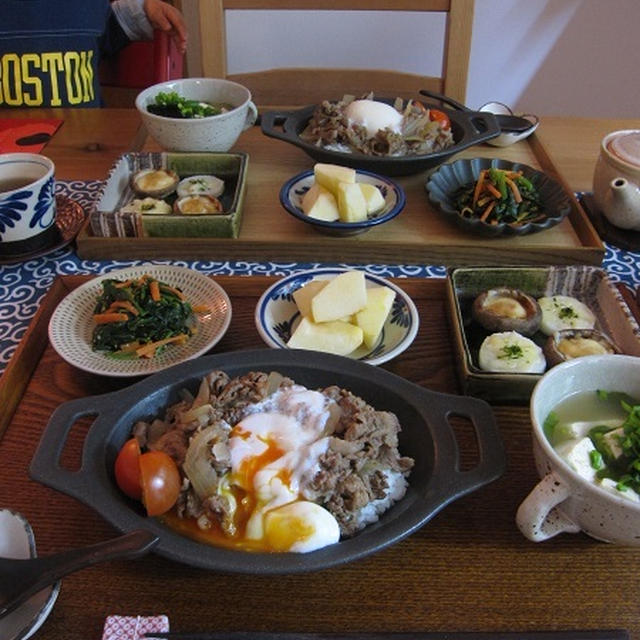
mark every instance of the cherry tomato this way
{"type": "Point", "coordinates": [441, 117]}
{"type": "Point", "coordinates": [160, 481]}
{"type": "Point", "coordinates": [127, 469]}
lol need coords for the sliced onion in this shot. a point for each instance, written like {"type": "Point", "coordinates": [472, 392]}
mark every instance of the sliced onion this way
{"type": "Point", "coordinates": [197, 467]}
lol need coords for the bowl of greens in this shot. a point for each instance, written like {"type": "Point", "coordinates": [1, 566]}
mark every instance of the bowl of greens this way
{"type": "Point", "coordinates": [196, 114]}
{"type": "Point", "coordinates": [496, 197]}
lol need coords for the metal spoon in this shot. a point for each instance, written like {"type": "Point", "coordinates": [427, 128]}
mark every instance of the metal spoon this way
{"type": "Point", "coordinates": [507, 123]}
{"type": "Point", "coordinates": [22, 578]}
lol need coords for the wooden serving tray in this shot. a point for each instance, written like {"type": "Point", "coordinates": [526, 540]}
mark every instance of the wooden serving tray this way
{"type": "Point", "coordinates": [419, 235]}
{"type": "Point", "coordinates": [469, 569]}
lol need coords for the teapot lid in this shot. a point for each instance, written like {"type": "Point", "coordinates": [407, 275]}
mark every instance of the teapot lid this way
{"type": "Point", "coordinates": [626, 147]}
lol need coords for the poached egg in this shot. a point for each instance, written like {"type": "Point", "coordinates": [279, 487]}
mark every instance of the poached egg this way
{"type": "Point", "coordinates": [374, 116]}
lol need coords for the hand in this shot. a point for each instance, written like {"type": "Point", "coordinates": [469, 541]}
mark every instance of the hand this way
{"type": "Point", "coordinates": [167, 18]}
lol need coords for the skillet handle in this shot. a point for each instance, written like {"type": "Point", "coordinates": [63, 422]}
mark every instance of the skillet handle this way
{"type": "Point", "coordinates": [46, 466]}
{"type": "Point", "coordinates": [273, 125]}
{"type": "Point", "coordinates": [484, 124]}
{"type": "Point", "coordinates": [453, 483]}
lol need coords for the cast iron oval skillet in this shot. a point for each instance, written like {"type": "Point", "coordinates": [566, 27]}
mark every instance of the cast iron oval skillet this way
{"type": "Point", "coordinates": [426, 436]}
{"type": "Point", "coordinates": [468, 128]}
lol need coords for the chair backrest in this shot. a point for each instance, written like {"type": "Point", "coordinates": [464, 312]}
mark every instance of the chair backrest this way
{"type": "Point", "coordinates": [139, 65]}
{"type": "Point", "coordinates": [296, 86]}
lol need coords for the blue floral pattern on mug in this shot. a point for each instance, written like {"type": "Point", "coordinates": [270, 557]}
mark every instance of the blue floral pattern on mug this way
{"type": "Point", "coordinates": [12, 208]}
{"type": "Point", "coordinates": [44, 206]}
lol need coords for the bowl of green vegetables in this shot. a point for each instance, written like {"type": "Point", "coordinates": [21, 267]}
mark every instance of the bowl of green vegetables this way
{"type": "Point", "coordinates": [495, 197]}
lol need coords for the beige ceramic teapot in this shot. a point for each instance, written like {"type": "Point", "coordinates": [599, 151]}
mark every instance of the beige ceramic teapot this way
{"type": "Point", "coordinates": [616, 180]}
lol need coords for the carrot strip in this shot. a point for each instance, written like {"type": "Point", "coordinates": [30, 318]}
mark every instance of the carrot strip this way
{"type": "Point", "coordinates": [479, 183]}
{"type": "Point", "coordinates": [148, 350]}
{"type": "Point", "coordinates": [514, 189]}
{"type": "Point", "coordinates": [122, 285]}
{"type": "Point", "coordinates": [201, 308]}
{"type": "Point", "coordinates": [107, 317]}
{"type": "Point", "coordinates": [487, 211]}
{"type": "Point", "coordinates": [123, 304]}
{"type": "Point", "coordinates": [154, 290]}
{"type": "Point", "coordinates": [493, 191]}
{"type": "Point", "coordinates": [176, 292]}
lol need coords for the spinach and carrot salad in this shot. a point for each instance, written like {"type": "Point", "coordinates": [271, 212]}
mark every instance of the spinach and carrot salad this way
{"type": "Point", "coordinates": [139, 318]}
{"type": "Point", "coordinates": [500, 196]}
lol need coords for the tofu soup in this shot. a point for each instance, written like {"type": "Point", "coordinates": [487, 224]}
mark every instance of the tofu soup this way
{"type": "Point", "coordinates": [597, 434]}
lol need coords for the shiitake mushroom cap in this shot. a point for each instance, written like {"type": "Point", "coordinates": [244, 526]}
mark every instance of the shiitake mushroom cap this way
{"type": "Point", "coordinates": [490, 310]}
{"type": "Point", "coordinates": [553, 347]}
{"type": "Point", "coordinates": [166, 182]}
{"type": "Point", "coordinates": [197, 205]}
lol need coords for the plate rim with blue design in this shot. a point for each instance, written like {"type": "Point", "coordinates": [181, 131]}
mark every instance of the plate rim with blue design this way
{"type": "Point", "coordinates": [394, 195]}
{"type": "Point", "coordinates": [280, 293]}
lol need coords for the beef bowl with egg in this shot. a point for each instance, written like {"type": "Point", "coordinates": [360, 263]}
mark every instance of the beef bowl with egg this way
{"type": "Point", "coordinates": [389, 136]}
{"type": "Point", "coordinates": [196, 114]}
{"type": "Point", "coordinates": [325, 492]}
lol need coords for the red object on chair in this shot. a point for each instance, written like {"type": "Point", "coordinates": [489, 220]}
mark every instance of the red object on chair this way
{"type": "Point", "coordinates": [143, 63]}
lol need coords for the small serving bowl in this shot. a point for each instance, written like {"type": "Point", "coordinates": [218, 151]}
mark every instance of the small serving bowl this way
{"type": "Point", "coordinates": [508, 138]}
{"type": "Point", "coordinates": [293, 191]}
{"type": "Point", "coordinates": [213, 133]}
{"type": "Point", "coordinates": [564, 501]}
{"type": "Point", "coordinates": [277, 316]}
{"type": "Point", "coordinates": [445, 182]}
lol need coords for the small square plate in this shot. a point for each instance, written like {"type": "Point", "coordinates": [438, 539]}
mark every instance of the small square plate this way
{"type": "Point", "coordinates": [588, 284]}
{"type": "Point", "coordinates": [107, 219]}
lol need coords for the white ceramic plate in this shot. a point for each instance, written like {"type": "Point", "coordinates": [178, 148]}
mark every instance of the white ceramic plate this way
{"type": "Point", "coordinates": [17, 541]}
{"type": "Point", "coordinates": [277, 316]}
{"type": "Point", "coordinates": [71, 324]}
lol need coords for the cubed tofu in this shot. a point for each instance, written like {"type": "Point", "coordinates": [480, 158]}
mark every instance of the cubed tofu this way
{"type": "Point", "coordinates": [372, 318]}
{"type": "Point", "coordinates": [320, 203]}
{"type": "Point", "coordinates": [581, 428]}
{"type": "Point", "coordinates": [339, 338]}
{"type": "Point", "coordinates": [302, 297]}
{"type": "Point", "coordinates": [577, 453]}
{"type": "Point", "coordinates": [372, 196]}
{"type": "Point", "coordinates": [344, 295]}
{"type": "Point", "coordinates": [330, 175]}
{"type": "Point", "coordinates": [352, 206]}
{"type": "Point", "coordinates": [611, 485]}
{"type": "Point", "coordinates": [611, 443]}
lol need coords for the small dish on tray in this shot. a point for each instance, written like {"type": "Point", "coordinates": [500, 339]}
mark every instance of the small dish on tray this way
{"type": "Point", "coordinates": [293, 191]}
{"type": "Point", "coordinates": [508, 138]}
{"type": "Point", "coordinates": [590, 285]}
{"type": "Point", "coordinates": [111, 218]}
{"type": "Point", "coordinates": [446, 181]}
{"type": "Point", "coordinates": [71, 324]}
{"type": "Point", "coordinates": [277, 316]}
{"type": "Point", "coordinates": [18, 541]}
{"type": "Point", "coordinates": [468, 128]}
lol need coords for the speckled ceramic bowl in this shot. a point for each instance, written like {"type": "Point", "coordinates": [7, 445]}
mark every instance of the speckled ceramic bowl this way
{"type": "Point", "coordinates": [443, 184]}
{"type": "Point", "coordinates": [564, 501]}
{"type": "Point", "coordinates": [214, 133]}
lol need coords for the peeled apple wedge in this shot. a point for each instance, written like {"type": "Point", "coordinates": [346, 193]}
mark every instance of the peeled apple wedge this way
{"type": "Point", "coordinates": [352, 205]}
{"type": "Point", "coordinates": [320, 203]}
{"type": "Point", "coordinates": [330, 175]}
{"type": "Point", "coordinates": [343, 296]}
{"type": "Point", "coordinates": [372, 196]}
{"type": "Point", "coordinates": [339, 338]}
{"type": "Point", "coordinates": [302, 297]}
{"type": "Point", "coordinates": [372, 318]}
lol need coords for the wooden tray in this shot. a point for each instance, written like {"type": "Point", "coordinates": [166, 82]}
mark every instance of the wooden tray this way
{"type": "Point", "coordinates": [420, 234]}
{"type": "Point", "coordinates": [469, 569]}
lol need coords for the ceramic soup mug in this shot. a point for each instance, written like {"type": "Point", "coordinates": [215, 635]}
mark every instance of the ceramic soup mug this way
{"type": "Point", "coordinates": [616, 179]}
{"type": "Point", "coordinates": [211, 133]}
{"type": "Point", "coordinates": [27, 203]}
{"type": "Point", "coordinates": [565, 501]}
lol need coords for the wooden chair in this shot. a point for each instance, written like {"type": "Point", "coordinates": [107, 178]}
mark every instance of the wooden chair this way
{"type": "Point", "coordinates": [297, 86]}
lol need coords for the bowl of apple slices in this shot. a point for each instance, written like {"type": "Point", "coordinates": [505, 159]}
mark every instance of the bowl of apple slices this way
{"type": "Point", "coordinates": [345, 312]}
{"type": "Point", "coordinates": [342, 201]}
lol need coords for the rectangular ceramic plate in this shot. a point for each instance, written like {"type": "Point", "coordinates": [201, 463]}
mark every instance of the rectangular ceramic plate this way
{"type": "Point", "coordinates": [107, 221]}
{"type": "Point", "coordinates": [588, 284]}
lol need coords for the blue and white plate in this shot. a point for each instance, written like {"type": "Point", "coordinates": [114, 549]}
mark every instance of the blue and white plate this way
{"type": "Point", "coordinates": [293, 191]}
{"type": "Point", "coordinates": [277, 316]}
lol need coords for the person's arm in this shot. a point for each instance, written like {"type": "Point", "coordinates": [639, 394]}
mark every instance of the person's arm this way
{"type": "Point", "coordinates": [138, 19]}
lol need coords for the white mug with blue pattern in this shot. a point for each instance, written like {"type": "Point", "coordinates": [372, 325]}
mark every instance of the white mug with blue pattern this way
{"type": "Point", "coordinates": [27, 202]}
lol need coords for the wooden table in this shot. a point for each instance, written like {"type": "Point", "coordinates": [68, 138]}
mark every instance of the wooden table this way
{"type": "Point", "coordinates": [468, 569]}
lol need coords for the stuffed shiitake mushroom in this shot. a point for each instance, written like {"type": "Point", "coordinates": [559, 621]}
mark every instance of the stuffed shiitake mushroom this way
{"type": "Point", "coordinates": [155, 183]}
{"type": "Point", "coordinates": [574, 343]}
{"type": "Point", "coordinates": [193, 204]}
{"type": "Point", "coordinates": [505, 309]}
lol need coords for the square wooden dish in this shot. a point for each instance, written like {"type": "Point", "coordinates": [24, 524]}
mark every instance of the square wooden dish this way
{"type": "Point", "coordinates": [107, 220]}
{"type": "Point", "coordinates": [588, 284]}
